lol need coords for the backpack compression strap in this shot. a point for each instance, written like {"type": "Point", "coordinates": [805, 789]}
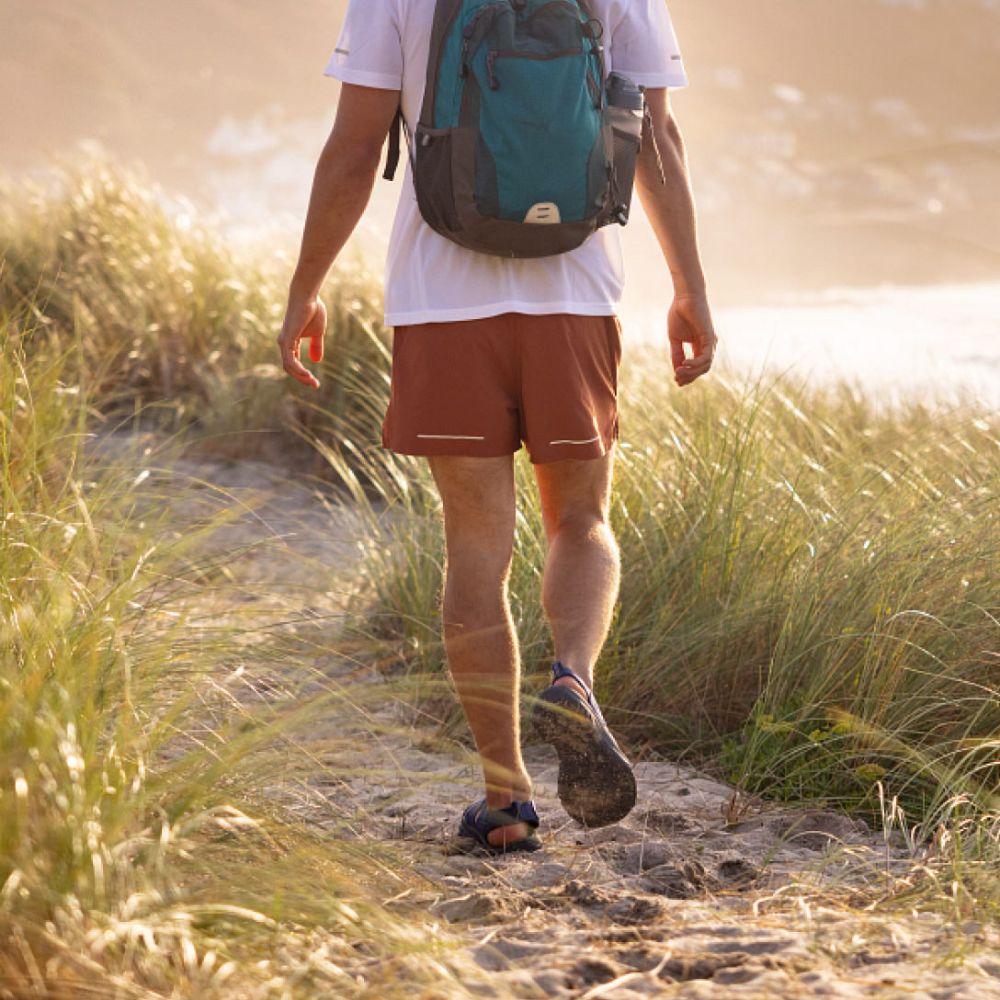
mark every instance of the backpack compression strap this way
{"type": "Point", "coordinates": [392, 154]}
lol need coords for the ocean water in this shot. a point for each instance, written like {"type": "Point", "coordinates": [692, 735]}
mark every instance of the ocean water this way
{"type": "Point", "coordinates": [938, 342]}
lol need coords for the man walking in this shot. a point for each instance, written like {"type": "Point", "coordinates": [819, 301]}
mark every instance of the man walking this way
{"type": "Point", "coordinates": [490, 353]}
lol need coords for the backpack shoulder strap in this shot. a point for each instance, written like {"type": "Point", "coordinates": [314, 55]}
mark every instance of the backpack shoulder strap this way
{"type": "Point", "coordinates": [392, 155]}
{"type": "Point", "coordinates": [445, 12]}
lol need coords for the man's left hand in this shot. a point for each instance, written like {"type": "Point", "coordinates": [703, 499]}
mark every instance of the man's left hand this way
{"type": "Point", "coordinates": [690, 322]}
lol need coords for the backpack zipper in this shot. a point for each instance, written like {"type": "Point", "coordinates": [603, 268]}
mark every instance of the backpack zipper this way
{"type": "Point", "coordinates": [519, 54]}
{"type": "Point", "coordinates": [491, 60]}
{"type": "Point", "coordinates": [470, 31]}
{"type": "Point", "coordinates": [470, 42]}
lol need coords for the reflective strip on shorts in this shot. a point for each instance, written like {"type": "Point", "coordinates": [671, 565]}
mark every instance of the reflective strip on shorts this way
{"type": "Point", "coordinates": [596, 437]}
{"type": "Point", "coordinates": [452, 437]}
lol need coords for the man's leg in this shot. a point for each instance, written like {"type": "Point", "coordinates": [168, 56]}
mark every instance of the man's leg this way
{"type": "Point", "coordinates": [596, 783]}
{"type": "Point", "coordinates": [582, 569]}
{"type": "Point", "coordinates": [480, 641]}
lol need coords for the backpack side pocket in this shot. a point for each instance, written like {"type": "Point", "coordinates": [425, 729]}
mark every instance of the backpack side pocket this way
{"type": "Point", "coordinates": [432, 178]}
{"type": "Point", "coordinates": [625, 153]}
{"type": "Point", "coordinates": [624, 115]}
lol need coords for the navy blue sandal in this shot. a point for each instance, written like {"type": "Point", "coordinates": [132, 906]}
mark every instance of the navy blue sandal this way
{"type": "Point", "coordinates": [596, 783]}
{"type": "Point", "coordinates": [479, 821]}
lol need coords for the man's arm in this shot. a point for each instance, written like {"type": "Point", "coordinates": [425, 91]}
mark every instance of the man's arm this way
{"type": "Point", "coordinates": [670, 208]}
{"type": "Point", "coordinates": [342, 185]}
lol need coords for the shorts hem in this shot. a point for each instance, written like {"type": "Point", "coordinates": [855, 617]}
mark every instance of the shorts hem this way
{"type": "Point", "coordinates": [453, 449]}
{"type": "Point", "coordinates": [550, 454]}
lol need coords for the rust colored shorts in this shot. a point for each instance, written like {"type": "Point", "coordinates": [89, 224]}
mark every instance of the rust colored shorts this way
{"type": "Point", "coordinates": [481, 387]}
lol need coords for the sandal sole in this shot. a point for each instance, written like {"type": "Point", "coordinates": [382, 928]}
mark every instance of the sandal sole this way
{"type": "Point", "coordinates": [470, 845]}
{"type": "Point", "coordinates": [596, 783]}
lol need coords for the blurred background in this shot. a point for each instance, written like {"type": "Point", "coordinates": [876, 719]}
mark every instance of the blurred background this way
{"type": "Point", "coordinates": [845, 157]}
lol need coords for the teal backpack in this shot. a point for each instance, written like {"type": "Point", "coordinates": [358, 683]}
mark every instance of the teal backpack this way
{"type": "Point", "coordinates": [523, 149]}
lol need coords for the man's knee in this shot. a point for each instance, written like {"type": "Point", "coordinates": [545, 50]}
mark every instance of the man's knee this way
{"type": "Point", "coordinates": [476, 573]}
{"type": "Point", "coordinates": [479, 552]}
{"type": "Point", "coordinates": [474, 604]}
{"type": "Point", "coordinates": [576, 497]}
{"type": "Point", "coordinates": [583, 524]}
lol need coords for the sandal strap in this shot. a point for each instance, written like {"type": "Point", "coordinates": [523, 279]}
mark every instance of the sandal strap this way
{"type": "Point", "coordinates": [560, 670]}
{"type": "Point", "coordinates": [516, 812]}
{"type": "Point", "coordinates": [485, 820]}
{"type": "Point", "coordinates": [479, 821]}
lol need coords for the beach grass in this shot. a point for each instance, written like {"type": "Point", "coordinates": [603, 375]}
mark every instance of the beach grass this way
{"type": "Point", "coordinates": [139, 760]}
{"type": "Point", "coordinates": [173, 320]}
{"type": "Point", "coordinates": [809, 608]}
{"type": "Point", "coordinates": [809, 595]}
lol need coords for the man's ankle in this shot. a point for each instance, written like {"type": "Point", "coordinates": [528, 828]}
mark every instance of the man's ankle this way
{"type": "Point", "coordinates": [502, 797]}
{"type": "Point", "coordinates": [585, 678]}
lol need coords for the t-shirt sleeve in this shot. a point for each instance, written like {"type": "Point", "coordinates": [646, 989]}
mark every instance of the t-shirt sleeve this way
{"type": "Point", "coordinates": [644, 46]}
{"type": "Point", "coordinates": [370, 51]}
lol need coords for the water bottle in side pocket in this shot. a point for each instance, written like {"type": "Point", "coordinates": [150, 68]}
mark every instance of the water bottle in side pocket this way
{"type": "Point", "coordinates": [624, 117]}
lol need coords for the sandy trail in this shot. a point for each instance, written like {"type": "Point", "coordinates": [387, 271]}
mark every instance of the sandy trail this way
{"type": "Point", "coordinates": [697, 894]}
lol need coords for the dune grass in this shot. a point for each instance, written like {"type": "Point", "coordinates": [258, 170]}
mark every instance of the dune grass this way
{"type": "Point", "coordinates": [810, 603]}
{"type": "Point", "coordinates": [809, 607]}
{"type": "Point", "coordinates": [172, 320]}
{"type": "Point", "coordinates": [809, 599]}
{"type": "Point", "coordinates": [138, 761]}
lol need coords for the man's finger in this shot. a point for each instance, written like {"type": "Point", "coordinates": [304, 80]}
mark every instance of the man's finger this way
{"type": "Point", "coordinates": [294, 367]}
{"type": "Point", "coordinates": [677, 355]}
{"type": "Point", "coordinates": [316, 348]}
{"type": "Point", "coordinates": [702, 359]}
{"type": "Point", "coordinates": [695, 368]}
{"type": "Point", "coordinates": [303, 375]}
{"type": "Point", "coordinates": [684, 378]}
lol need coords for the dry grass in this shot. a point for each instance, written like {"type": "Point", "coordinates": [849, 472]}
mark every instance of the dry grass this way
{"type": "Point", "coordinates": [138, 759]}
{"type": "Point", "coordinates": [171, 320]}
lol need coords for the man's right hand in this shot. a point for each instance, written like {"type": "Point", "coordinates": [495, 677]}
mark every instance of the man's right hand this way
{"type": "Point", "coordinates": [303, 321]}
{"type": "Point", "coordinates": [690, 322]}
{"type": "Point", "coordinates": [341, 188]}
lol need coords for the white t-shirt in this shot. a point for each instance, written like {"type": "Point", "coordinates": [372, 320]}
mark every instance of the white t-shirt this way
{"type": "Point", "coordinates": [385, 44]}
